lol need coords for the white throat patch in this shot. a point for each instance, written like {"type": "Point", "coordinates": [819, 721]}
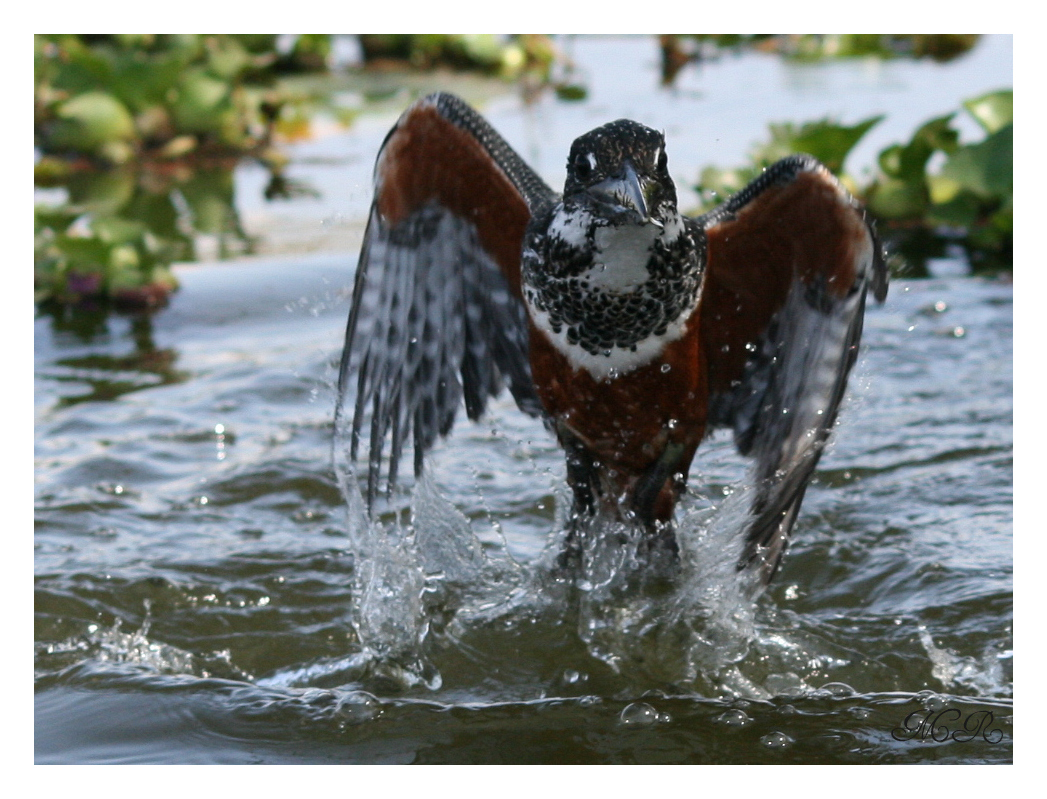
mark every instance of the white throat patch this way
{"type": "Point", "coordinates": [620, 261]}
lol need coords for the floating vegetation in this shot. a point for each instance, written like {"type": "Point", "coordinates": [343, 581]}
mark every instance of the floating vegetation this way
{"type": "Point", "coordinates": [117, 97]}
{"type": "Point", "coordinates": [138, 134]}
{"type": "Point", "coordinates": [531, 59]}
{"type": "Point", "coordinates": [142, 131]}
{"type": "Point", "coordinates": [120, 230]}
{"type": "Point", "coordinates": [925, 207]}
{"type": "Point", "coordinates": [678, 50]}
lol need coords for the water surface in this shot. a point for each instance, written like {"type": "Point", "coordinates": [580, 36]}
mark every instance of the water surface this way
{"type": "Point", "coordinates": [206, 593]}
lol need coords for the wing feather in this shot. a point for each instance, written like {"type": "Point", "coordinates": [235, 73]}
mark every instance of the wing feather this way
{"type": "Point", "coordinates": [436, 314]}
{"type": "Point", "coordinates": [790, 260]}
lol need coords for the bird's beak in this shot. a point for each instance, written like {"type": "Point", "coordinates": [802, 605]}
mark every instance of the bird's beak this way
{"type": "Point", "coordinates": [625, 191]}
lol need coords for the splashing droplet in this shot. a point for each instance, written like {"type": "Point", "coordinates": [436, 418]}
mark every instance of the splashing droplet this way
{"type": "Point", "coordinates": [777, 740]}
{"type": "Point", "coordinates": [639, 714]}
{"type": "Point", "coordinates": [733, 718]}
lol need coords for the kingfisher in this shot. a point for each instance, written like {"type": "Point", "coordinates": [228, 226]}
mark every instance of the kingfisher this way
{"type": "Point", "coordinates": [633, 330]}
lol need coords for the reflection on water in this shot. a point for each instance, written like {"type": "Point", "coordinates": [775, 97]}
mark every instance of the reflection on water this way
{"type": "Point", "coordinates": [105, 376]}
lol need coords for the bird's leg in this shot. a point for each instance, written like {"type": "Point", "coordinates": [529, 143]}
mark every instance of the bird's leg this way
{"type": "Point", "coordinates": [654, 497]}
{"type": "Point", "coordinates": [583, 478]}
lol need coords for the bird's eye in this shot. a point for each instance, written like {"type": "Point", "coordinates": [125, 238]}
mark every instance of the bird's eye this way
{"type": "Point", "coordinates": [584, 164]}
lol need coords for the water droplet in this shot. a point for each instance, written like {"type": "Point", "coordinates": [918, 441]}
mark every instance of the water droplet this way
{"type": "Point", "coordinates": [750, 347]}
{"type": "Point", "coordinates": [959, 332]}
{"type": "Point", "coordinates": [911, 328]}
{"type": "Point", "coordinates": [777, 740]}
{"type": "Point", "coordinates": [733, 718]}
{"type": "Point", "coordinates": [838, 688]}
{"type": "Point", "coordinates": [860, 713]}
{"type": "Point", "coordinates": [940, 306]}
{"type": "Point", "coordinates": [572, 677]}
{"type": "Point", "coordinates": [219, 429]}
{"type": "Point", "coordinates": [672, 424]}
{"type": "Point", "coordinates": [666, 368]}
{"type": "Point", "coordinates": [935, 702]}
{"type": "Point", "coordinates": [639, 714]}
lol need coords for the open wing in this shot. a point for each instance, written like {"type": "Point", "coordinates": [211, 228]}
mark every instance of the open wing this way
{"type": "Point", "coordinates": [789, 261]}
{"type": "Point", "coordinates": [437, 312]}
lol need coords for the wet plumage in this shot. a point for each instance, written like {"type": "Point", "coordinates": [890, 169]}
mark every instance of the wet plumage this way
{"type": "Point", "coordinates": [632, 330]}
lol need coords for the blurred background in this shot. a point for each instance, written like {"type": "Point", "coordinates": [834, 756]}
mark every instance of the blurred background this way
{"type": "Point", "coordinates": [156, 149]}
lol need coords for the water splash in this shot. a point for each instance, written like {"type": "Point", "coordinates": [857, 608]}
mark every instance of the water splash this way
{"type": "Point", "coordinates": [111, 646]}
{"type": "Point", "coordinates": [689, 630]}
{"type": "Point", "coordinates": [983, 675]}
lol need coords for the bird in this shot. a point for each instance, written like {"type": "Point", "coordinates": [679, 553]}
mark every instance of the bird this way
{"type": "Point", "coordinates": [632, 330]}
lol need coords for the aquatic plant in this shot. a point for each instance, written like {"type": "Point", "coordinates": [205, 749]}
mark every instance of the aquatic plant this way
{"type": "Point", "coordinates": [121, 121]}
{"type": "Point", "coordinates": [967, 202]}
{"type": "Point", "coordinates": [925, 207]}
{"type": "Point", "coordinates": [121, 229]}
{"type": "Point", "coordinates": [116, 97]}
{"type": "Point", "coordinates": [678, 50]}
{"type": "Point", "coordinates": [143, 131]}
{"type": "Point", "coordinates": [532, 59]}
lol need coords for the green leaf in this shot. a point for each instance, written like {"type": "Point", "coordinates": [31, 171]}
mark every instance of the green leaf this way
{"type": "Point", "coordinates": [986, 168]}
{"type": "Point", "coordinates": [826, 140]}
{"type": "Point", "coordinates": [198, 102]}
{"type": "Point", "coordinates": [908, 162]}
{"type": "Point", "coordinates": [891, 198]}
{"type": "Point", "coordinates": [90, 120]}
{"type": "Point", "coordinates": [993, 111]}
{"type": "Point", "coordinates": [115, 230]}
{"type": "Point", "coordinates": [961, 211]}
{"type": "Point", "coordinates": [209, 194]}
{"type": "Point", "coordinates": [102, 192]}
{"type": "Point", "coordinates": [56, 217]}
{"type": "Point", "coordinates": [226, 57]}
{"type": "Point", "coordinates": [142, 80]}
{"type": "Point", "coordinates": [80, 68]}
{"type": "Point", "coordinates": [84, 253]}
{"type": "Point", "coordinates": [571, 91]}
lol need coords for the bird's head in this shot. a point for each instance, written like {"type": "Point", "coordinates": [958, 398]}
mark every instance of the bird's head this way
{"type": "Point", "coordinates": [621, 172]}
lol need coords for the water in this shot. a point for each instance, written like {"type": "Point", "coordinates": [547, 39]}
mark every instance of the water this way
{"type": "Point", "coordinates": [206, 593]}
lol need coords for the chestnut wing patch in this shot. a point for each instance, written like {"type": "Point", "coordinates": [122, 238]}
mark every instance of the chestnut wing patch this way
{"type": "Point", "coordinates": [789, 262]}
{"type": "Point", "coordinates": [436, 312]}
